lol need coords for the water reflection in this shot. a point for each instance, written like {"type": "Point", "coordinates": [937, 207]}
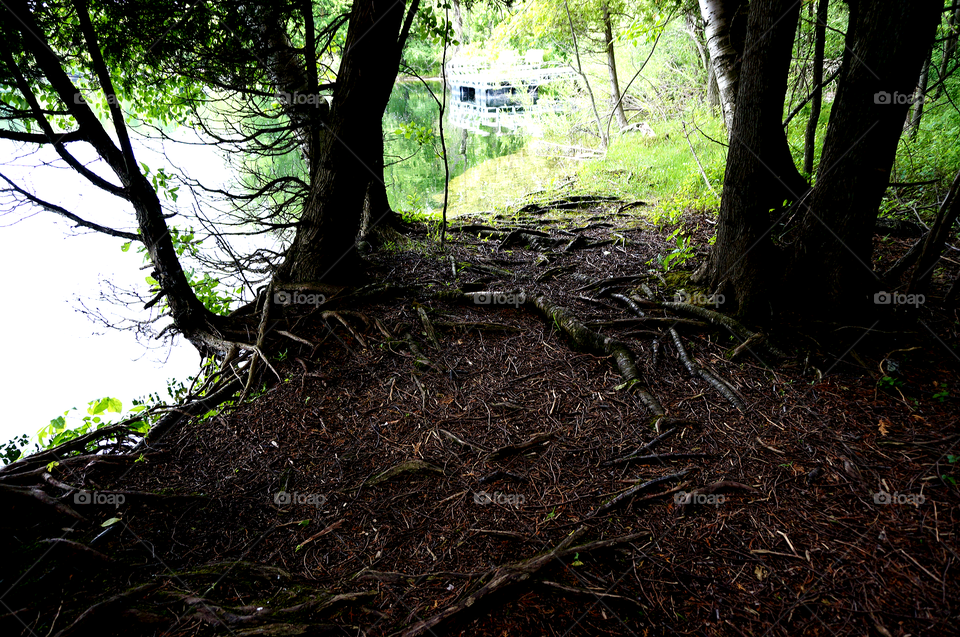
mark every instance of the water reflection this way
{"type": "Point", "coordinates": [485, 135]}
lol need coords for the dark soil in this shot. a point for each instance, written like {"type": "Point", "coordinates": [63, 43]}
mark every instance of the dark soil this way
{"type": "Point", "coordinates": [827, 507]}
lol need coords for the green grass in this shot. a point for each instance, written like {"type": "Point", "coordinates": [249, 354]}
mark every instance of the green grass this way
{"type": "Point", "coordinates": [662, 170]}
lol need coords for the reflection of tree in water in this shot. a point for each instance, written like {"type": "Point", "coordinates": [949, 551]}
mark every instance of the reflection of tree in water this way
{"type": "Point", "coordinates": [414, 170]}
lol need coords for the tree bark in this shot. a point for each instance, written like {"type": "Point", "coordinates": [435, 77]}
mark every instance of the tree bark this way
{"type": "Point", "coordinates": [350, 153]}
{"type": "Point", "coordinates": [724, 55]}
{"type": "Point", "coordinates": [921, 94]}
{"type": "Point", "coordinates": [744, 262]}
{"type": "Point", "coordinates": [612, 69]}
{"type": "Point", "coordinates": [713, 91]}
{"type": "Point", "coordinates": [819, 42]}
{"type": "Point", "coordinates": [830, 262]}
{"type": "Point", "coordinates": [949, 48]}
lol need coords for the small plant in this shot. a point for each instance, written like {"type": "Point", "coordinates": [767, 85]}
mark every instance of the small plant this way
{"type": "Point", "coordinates": [679, 255]}
{"type": "Point", "coordinates": [888, 382]}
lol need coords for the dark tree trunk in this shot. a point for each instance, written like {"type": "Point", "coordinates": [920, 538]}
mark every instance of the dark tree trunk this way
{"type": "Point", "coordinates": [830, 264]}
{"type": "Point", "coordinates": [350, 154]}
{"type": "Point", "coordinates": [819, 41]}
{"type": "Point", "coordinates": [743, 263]}
{"type": "Point", "coordinates": [612, 69]}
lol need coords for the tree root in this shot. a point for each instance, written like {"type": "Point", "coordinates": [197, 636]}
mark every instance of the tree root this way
{"type": "Point", "coordinates": [512, 450]}
{"type": "Point", "coordinates": [695, 370]}
{"type": "Point", "coordinates": [411, 467]}
{"type": "Point", "coordinates": [724, 321]}
{"type": "Point", "coordinates": [587, 339]}
{"type": "Point", "coordinates": [634, 454]}
{"type": "Point", "coordinates": [628, 495]}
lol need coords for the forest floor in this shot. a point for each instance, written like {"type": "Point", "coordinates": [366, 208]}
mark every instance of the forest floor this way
{"type": "Point", "coordinates": [427, 465]}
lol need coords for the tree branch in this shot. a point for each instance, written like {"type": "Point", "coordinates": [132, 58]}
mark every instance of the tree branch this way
{"type": "Point", "coordinates": [66, 213]}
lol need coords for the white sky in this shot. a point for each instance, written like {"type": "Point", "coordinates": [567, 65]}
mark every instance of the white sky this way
{"type": "Point", "coordinates": [55, 357]}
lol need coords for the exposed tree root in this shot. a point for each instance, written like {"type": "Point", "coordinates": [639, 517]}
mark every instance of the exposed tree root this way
{"type": "Point", "coordinates": [646, 447]}
{"type": "Point", "coordinates": [724, 321]}
{"type": "Point", "coordinates": [627, 496]}
{"type": "Point", "coordinates": [695, 370]}
{"type": "Point", "coordinates": [589, 340]}
{"type": "Point", "coordinates": [500, 578]}
{"type": "Point", "coordinates": [512, 450]}
{"type": "Point", "coordinates": [410, 467]}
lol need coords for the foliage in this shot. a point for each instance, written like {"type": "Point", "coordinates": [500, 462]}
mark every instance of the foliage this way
{"type": "Point", "coordinates": [206, 287]}
{"type": "Point", "coordinates": [58, 431]}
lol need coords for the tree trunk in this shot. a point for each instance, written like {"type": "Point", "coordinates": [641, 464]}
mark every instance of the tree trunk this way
{"type": "Point", "coordinates": [349, 156]}
{"type": "Point", "coordinates": [378, 217]}
{"type": "Point", "coordinates": [920, 95]}
{"type": "Point", "coordinates": [830, 263]}
{"type": "Point", "coordinates": [820, 36]}
{"type": "Point", "coordinates": [713, 91]}
{"type": "Point", "coordinates": [744, 263]}
{"type": "Point", "coordinates": [717, 17]}
{"type": "Point", "coordinates": [612, 69]}
{"type": "Point", "coordinates": [949, 48]}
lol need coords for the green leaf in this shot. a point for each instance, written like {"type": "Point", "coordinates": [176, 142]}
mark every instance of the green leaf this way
{"type": "Point", "coordinates": [110, 522]}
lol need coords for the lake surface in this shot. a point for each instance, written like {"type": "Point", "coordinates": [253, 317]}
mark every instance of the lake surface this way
{"type": "Point", "coordinates": [487, 169]}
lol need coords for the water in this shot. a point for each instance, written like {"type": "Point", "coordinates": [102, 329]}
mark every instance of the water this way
{"type": "Point", "coordinates": [487, 169]}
